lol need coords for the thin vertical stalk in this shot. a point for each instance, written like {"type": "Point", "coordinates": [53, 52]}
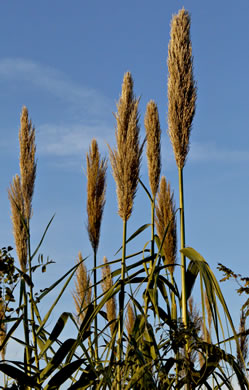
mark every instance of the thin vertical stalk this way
{"type": "Point", "coordinates": [32, 306]}
{"type": "Point", "coordinates": [152, 250]}
{"type": "Point", "coordinates": [121, 306]}
{"type": "Point", "coordinates": [183, 262]}
{"type": "Point", "coordinates": [182, 238]}
{"type": "Point", "coordinates": [152, 230]}
{"type": "Point", "coordinates": [26, 328]}
{"type": "Point", "coordinates": [95, 305]}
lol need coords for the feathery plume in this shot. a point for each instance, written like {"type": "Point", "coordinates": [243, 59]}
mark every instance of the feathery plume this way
{"type": "Point", "coordinates": [126, 158]}
{"type": "Point", "coordinates": [17, 216]}
{"type": "Point", "coordinates": [181, 86]}
{"type": "Point", "coordinates": [96, 187]}
{"type": "Point", "coordinates": [153, 137]}
{"type": "Point", "coordinates": [2, 327]}
{"type": "Point", "coordinates": [130, 319]}
{"type": "Point", "coordinates": [243, 342]}
{"type": "Point", "coordinates": [165, 214]}
{"type": "Point", "coordinates": [107, 283]}
{"type": "Point", "coordinates": [27, 162]}
{"type": "Point", "coordinates": [83, 294]}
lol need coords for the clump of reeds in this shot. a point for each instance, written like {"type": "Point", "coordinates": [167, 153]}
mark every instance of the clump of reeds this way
{"type": "Point", "coordinates": [181, 86]}
{"type": "Point", "coordinates": [126, 158]}
{"type": "Point", "coordinates": [107, 284]}
{"type": "Point", "coordinates": [18, 222]}
{"type": "Point", "coordinates": [153, 138]}
{"type": "Point", "coordinates": [130, 319]}
{"type": "Point", "coordinates": [165, 216]}
{"type": "Point", "coordinates": [82, 294]}
{"type": "Point", "coordinates": [96, 188]}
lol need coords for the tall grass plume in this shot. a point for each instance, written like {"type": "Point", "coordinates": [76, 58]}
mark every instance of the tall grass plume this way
{"type": "Point", "coordinates": [181, 86]}
{"type": "Point", "coordinates": [82, 294]}
{"type": "Point", "coordinates": [153, 138]}
{"type": "Point", "coordinates": [165, 216]}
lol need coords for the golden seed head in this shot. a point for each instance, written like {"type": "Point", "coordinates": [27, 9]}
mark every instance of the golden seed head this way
{"type": "Point", "coordinates": [126, 158]}
{"type": "Point", "coordinates": [96, 188]}
{"type": "Point", "coordinates": [165, 215]}
{"type": "Point", "coordinates": [2, 327]}
{"type": "Point", "coordinates": [18, 221]}
{"type": "Point", "coordinates": [153, 137]}
{"type": "Point", "coordinates": [82, 294]}
{"type": "Point", "coordinates": [181, 86]}
{"type": "Point", "coordinates": [130, 319]}
{"type": "Point", "coordinates": [107, 283]}
{"type": "Point", "coordinates": [27, 162]}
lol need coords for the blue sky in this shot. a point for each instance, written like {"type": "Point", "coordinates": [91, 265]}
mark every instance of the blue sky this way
{"type": "Point", "coordinates": [65, 61]}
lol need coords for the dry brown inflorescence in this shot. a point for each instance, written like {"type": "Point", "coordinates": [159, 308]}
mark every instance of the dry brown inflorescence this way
{"type": "Point", "coordinates": [83, 293]}
{"type": "Point", "coordinates": [126, 158]}
{"type": "Point", "coordinates": [22, 188]}
{"type": "Point", "coordinates": [153, 138]}
{"type": "Point", "coordinates": [181, 86]}
{"type": "Point", "coordinates": [96, 188]}
{"type": "Point", "coordinates": [165, 216]}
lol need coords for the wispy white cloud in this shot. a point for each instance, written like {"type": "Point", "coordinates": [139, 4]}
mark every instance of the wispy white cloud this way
{"type": "Point", "coordinates": [65, 141]}
{"type": "Point", "coordinates": [56, 83]}
{"type": "Point", "coordinates": [66, 136]}
{"type": "Point", "coordinates": [213, 153]}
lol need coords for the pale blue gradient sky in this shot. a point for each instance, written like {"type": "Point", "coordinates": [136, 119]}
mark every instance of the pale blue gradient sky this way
{"type": "Point", "coordinates": [65, 61]}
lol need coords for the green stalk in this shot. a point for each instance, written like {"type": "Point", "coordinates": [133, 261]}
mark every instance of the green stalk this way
{"type": "Point", "coordinates": [152, 250]}
{"type": "Point", "coordinates": [26, 327]}
{"type": "Point", "coordinates": [174, 317]}
{"type": "Point", "coordinates": [95, 305]}
{"type": "Point", "coordinates": [32, 308]}
{"type": "Point", "coordinates": [152, 230]}
{"type": "Point", "coordinates": [121, 306]}
{"type": "Point", "coordinates": [183, 259]}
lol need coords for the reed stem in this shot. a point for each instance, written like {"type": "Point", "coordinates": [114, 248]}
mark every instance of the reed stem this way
{"type": "Point", "coordinates": [121, 306]}
{"type": "Point", "coordinates": [32, 307]}
{"type": "Point", "coordinates": [182, 238]}
{"type": "Point", "coordinates": [95, 305]}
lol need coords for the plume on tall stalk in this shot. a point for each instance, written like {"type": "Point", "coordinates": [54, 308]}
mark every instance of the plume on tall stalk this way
{"type": "Point", "coordinates": [153, 151]}
{"type": "Point", "coordinates": [82, 294]}
{"type": "Point", "coordinates": [125, 161]}
{"type": "Point", "coordinates": [20, 196]}
{"type": "Point", "coordinates": [96, 189]}
{"type": "Point", "coordinates": [153, 138]}
{"type": "Point", "coordinates": [107, 284]}
{"type": "Point", "coordinates": [181, 110]}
